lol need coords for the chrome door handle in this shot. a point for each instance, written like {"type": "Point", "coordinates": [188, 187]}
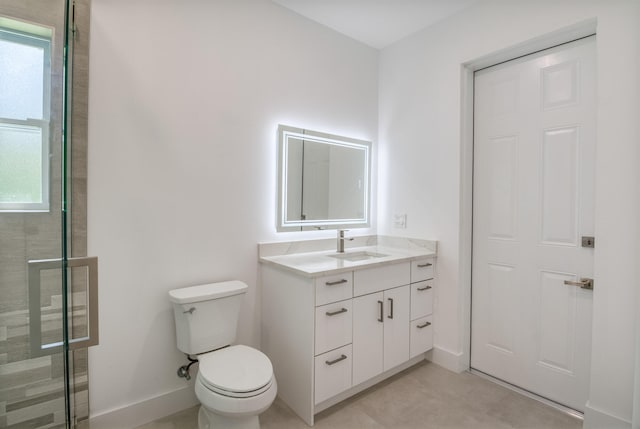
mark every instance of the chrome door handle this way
{"type": "Point", "coordinates": [584, 283]}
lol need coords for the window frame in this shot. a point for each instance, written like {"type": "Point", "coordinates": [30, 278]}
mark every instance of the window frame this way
{"type": "Point", "coordinates": [16, 36]}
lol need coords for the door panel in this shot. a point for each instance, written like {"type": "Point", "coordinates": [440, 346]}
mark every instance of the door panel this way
{"type": "Point", "coordinates": [559, 186]}
{"type": "Point", "coordinates": [534, 156]}
{"type": "Point", "coordinates": [396, 326]}
{"type": "Point", "coordinates": [42, 383]}
{"type": "Point", "coordinates": [368, 322]}
{"type": "Point", "coordinates": [503, 187]}
{"type": "Point", "coordinates": [502, 313]}
{"type": "Point", "coordinates": [557, 322]}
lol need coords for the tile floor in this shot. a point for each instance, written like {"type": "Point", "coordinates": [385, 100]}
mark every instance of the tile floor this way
{"type": "Point", "coordinates": [423, 396]}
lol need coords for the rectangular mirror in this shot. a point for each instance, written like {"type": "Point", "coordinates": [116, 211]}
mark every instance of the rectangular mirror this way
{"type": "Point", "coordinates": [323, 180]}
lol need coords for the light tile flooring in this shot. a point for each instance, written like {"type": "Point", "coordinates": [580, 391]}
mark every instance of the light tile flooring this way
{"type": "Point", "coordinates": [423, 396]}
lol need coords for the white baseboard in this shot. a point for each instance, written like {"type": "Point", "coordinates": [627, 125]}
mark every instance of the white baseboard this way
{"type": "Point", "coordinates": [598, 419]}
{"type": "Point", "coordinates": [146, 411]}
{"type": "Point", "coordinates": [453, 361]}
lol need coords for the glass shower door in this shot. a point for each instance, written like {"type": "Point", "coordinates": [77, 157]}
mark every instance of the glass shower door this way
{"type": "Point", "coordinates": [44, 299]}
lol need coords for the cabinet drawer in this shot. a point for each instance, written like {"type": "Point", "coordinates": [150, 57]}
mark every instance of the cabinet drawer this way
{"type": "Point", "coordinates": [332, 373]}
{"type": "Point", "coordinates": [379, 278]}
{"type": "Point", "coordinates": [421, 336]}
{"type": "Point", "coordinates": [421, 299]}
{"type": "Point", "coordinates": [334, 288]}
{"type": "Point", "coordinates": [422, 270]}
{"type": "Point", "coordinates": [333, 326]}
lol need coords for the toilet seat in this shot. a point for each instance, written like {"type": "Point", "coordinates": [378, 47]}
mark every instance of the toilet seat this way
{"type": "Point", "coordinates": [236, 371]}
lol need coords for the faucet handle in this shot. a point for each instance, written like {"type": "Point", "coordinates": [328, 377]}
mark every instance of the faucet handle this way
{"type": "Point", "coordinates": [341, 235]}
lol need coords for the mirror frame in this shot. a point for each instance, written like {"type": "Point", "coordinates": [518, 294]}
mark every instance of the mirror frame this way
{"type": "Point", "coordinates": [282, 224]}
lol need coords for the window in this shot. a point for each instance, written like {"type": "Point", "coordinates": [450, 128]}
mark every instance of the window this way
{"type": "Point", "coordinates": [24, 117]}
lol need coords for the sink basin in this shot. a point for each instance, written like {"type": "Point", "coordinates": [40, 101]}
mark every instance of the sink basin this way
{"type": "Point", "coordinates": [357, 256]}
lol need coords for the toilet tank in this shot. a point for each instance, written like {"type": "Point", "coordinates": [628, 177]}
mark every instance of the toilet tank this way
{"type": "Point", "coordinates": [206, 316]}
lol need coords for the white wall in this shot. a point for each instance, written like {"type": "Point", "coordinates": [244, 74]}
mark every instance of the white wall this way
{"type": "Point", "coordinates": [420, 142]}
{"type": "Point", "coordinates": [185, 101]}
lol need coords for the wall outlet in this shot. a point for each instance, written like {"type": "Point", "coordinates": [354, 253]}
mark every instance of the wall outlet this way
{"type": "Point", "coordinates": [400, 220]}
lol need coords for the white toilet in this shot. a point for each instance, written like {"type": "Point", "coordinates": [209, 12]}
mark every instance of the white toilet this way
{"type": "Point", "coordinates": [235, 383]}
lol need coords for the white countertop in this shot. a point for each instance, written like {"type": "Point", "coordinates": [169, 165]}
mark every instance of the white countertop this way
{"type": "Point", "coordinates": [320, 263]}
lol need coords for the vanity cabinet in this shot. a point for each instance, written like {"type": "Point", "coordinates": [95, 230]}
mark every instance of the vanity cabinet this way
{"type": "Point", "coordinates": [331, 336]}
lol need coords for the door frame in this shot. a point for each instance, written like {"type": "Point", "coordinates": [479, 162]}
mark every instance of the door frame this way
{"type": "Point", "coordinates": [465, 244]}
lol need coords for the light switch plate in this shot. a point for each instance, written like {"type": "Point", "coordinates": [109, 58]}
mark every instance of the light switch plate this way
{"type": "Point", "coordinates": [400, 220]}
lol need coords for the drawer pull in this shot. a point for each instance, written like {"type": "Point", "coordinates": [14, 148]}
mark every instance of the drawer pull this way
{"type": "Point", "coordinates": [333, 313]}
{"type": "Point", "coordinates": [338, 282]}
{"type": "Point", "coordinates": [381, 307]}
{"type": "Point", "coordinates": [424, 288]}
{"type": "Point", "coordinates": [428, 264]}
{"type": "Point", "coordinates": [390, 316]}
{"type": "Point", "coordinates": [424, 325]}
{"type": "Point", "coordinates": [331, 362]}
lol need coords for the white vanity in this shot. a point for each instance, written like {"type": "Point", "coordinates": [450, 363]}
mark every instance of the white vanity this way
{"type": "Point", "coordinates": [334, 324]}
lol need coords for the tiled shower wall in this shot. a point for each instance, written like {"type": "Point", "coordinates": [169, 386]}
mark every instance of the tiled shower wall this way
{"type": "Point", "coordinates": [31, 389]}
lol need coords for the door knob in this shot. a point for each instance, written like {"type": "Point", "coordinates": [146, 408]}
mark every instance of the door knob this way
{"type": "Point", "coordinates": [584, 283]}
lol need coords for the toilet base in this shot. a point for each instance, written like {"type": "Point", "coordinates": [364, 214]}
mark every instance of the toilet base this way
{"type": "Point", "coordinates": [209, 420]}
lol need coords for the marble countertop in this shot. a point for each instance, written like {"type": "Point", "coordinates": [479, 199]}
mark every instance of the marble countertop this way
{"type": "Point", "coordinates": [320, 262]}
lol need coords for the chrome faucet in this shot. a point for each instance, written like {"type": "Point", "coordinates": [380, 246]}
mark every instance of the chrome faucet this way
{"type": "Point", "coordinates": [341, 239]}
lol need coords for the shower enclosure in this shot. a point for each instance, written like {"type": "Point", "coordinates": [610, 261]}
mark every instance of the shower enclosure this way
{"type": "Point", "coordinates": [48, 287]}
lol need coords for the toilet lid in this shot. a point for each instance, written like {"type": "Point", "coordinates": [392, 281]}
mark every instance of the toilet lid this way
{"type": "Point", "coordinates": [235, 369]}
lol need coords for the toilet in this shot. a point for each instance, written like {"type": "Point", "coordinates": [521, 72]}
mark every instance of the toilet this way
{"type": "Point", "coordinates": [235, 383]}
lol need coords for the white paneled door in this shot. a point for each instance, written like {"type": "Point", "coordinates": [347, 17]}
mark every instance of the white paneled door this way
{"type": "Point", "coordinates": [534, 156]}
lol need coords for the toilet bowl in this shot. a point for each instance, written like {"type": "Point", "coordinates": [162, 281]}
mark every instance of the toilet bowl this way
{"type": "Point", "coordinates": [235, 383]}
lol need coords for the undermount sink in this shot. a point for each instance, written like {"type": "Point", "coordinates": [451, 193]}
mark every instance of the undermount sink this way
{"type": "Point", "coordinates": [357, 256]}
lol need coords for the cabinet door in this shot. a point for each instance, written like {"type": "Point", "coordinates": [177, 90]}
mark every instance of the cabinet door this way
{"type": "Point", "coordinates": [396, 326]}
{"type": "Point", "coordinates": [368, 318]}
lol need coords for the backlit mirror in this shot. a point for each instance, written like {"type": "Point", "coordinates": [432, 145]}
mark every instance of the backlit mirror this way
{"type": "Point", "coordinates": [323, 180]}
